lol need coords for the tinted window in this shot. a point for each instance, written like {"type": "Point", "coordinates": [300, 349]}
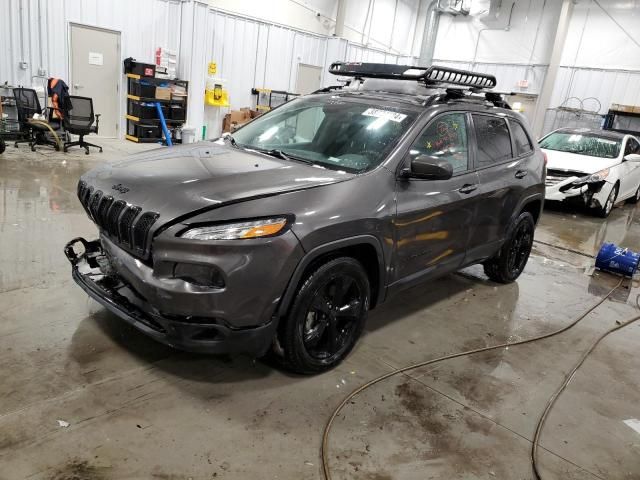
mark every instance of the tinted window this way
{"type": "Point", "coordinates": [445, 138]}
{"type": "Point", "coordinates": [632, 147]}
{"type": "Point", "coordinates": [523, 145]}
{"type": "Point", "coordinates": [582, 144]}
{"type": "Point", "coordinates": [492, 136]}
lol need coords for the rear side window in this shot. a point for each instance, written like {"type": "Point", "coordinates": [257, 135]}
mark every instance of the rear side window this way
{"type": "Point", "coordinates": [446, 139]}
{"type": "Point", "coordinates": [520, 138]}
{"type": "Point", "coordinates": [492, 137]}
{"type": "Point", "coordinates": [632, 147]}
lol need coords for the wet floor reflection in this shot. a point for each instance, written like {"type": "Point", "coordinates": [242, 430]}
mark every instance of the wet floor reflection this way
{"type": "Point", "coordinates": [39, 213]}
{"type": "Point", "coordinates": [578, 230]}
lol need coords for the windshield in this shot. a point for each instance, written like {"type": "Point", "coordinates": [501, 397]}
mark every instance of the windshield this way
{"type": "Point", "coordinates": [328, 131]}
{"type": "Point", "coordinates": [590, 145]}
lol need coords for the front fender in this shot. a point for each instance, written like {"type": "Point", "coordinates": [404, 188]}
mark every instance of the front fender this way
{"type": "Point", "coordinates": [317, 252]}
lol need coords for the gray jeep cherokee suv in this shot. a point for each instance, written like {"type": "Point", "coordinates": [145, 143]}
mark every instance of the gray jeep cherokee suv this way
{"type": "Point", "coordinates": [282, 236]}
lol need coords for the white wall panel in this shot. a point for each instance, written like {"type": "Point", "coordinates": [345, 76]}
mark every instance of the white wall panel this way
{"type": "Point", "coordinates": [607, 86]}
{"type": "Point", "coordinates": [42, 41]}
{"type": "Point", "coordinates": [252, 53]}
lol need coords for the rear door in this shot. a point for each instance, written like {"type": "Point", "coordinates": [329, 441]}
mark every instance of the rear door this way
{"type": "Point", "coordinates": [503, 158]}
{"type": "Point", "coordinates": [433, 216]}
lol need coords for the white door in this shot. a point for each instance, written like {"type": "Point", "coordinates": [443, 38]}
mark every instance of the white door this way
{"type": "Point", "coordinates": [630, 171]}
{"type": "Point", "coordinates": [309, 78]}
{"type": "Point", "coordinates": [95, 73]}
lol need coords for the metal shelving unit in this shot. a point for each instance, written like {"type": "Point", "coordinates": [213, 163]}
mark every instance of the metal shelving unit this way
{"type": "Point", "coordinates": [135, 83]}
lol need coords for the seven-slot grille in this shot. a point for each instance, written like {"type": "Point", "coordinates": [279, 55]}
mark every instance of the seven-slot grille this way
{"type": "Point", "coordinates": [121, 221]}
{"type": "Point", "coordinates": [556, 176]}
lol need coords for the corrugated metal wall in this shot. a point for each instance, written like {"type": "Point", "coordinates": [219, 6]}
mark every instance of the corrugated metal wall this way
{"type": "Point", "coordinates": [607, 86]}
{"type": "Point", "coordinates": [249, 53]}
{"type": "Point", "coordinates": [42, 41]}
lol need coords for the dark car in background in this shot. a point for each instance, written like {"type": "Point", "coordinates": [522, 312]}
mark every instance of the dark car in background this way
{"type": "Point", "coordinates": [283, 236]}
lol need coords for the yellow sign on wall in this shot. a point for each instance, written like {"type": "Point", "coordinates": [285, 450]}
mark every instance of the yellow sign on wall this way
{"type": "Point", "coordinates": [213, 68]}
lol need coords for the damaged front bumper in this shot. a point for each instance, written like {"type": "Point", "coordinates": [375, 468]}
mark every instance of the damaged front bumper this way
{"type": "Point", "coordinates": [93, 271]}
{"type": "Point", "coordinates": [591, 195]}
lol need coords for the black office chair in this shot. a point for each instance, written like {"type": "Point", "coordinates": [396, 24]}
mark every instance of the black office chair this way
{"type": "Point", "coordinates": [34, 133]}
{"type": "Point", "coordinates": [78, 120]}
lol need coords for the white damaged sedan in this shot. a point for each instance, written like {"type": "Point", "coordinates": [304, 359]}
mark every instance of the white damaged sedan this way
{"type": "Point", "coordinates": [595, 168]}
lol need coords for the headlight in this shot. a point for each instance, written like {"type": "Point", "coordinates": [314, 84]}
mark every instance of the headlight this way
{"type": "Point", "coordinates": [594, 177]}
{"type": "Point", "coordinates": [235, 231]}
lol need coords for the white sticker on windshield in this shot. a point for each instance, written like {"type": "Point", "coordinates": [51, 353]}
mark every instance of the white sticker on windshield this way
{"type": "Point", "coordinates": [393, 116]}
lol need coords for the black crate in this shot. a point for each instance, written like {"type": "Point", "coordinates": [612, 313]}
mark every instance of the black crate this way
{"type": "Point", "coordinates": [143, 69]}
{"type": "Point", "coordinates": [143, 110]}
{"type": "Point", "coordinates": [147, 131]}
{"type": "Point", "coordinates": [176, 112]}
{"type": "Point", "coordinates": [140, 89]}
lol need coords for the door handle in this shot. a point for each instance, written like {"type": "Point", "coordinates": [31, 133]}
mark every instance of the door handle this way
{"type": "Point", "coordinates": [77, 86]}
{"type": "Point", "coordinates": [467, 188]}
{"type": "Point", "coordinates": [521, 173]}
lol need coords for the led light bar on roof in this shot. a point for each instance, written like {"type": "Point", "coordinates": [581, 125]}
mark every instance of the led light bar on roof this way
{"type": "Point", "coordinates": [429, 75]}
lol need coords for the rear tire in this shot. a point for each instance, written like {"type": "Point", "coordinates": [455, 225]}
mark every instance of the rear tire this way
{"type": "Point", "coordinates": [3, 146]}
{"type": "Point", "coordinates": [607, 208]}
{"type": "Point", "coordinates": [327, 316]}
{"type": "Point", "coordinates": [510, 261]}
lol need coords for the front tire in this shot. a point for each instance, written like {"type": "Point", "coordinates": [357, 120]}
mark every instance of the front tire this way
{"type": "Point", "coordinates": [605, 210]}
{"type": "Point", "coordinates": [327, 316]}
{"type": "Point", "coordinates": [510, 261]}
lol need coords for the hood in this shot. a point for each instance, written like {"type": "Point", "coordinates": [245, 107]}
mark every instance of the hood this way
{"type": "Point", "coordinates": [573, 162]}
{"type": "Point", "coordinates": [179, 180]}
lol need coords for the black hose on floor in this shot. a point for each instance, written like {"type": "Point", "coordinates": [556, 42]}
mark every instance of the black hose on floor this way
{"type": "Point", "coordinates": [554, 397]}
{"type": "Point", "coordinates": [324, 450]}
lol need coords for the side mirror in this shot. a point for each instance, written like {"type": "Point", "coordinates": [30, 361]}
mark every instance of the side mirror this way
{"type": "Point", "coordinates": [429, 168]}
{"type": "Point", "coordinates": [632, 157]}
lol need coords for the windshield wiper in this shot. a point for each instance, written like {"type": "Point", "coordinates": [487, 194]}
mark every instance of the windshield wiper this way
{"type": "Point", "coordinates": [275, 152]}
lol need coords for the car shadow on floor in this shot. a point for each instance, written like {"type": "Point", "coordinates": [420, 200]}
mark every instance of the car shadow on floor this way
{"type": "Point", "coordinates": [103, 333]}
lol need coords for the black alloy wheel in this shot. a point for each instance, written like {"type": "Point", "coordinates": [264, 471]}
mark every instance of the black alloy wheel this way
{"type": "Point", "coordinates": [520, 248]}
{"type": "Point", "coordinates": [507, 265]}
{"type": "Point", "coordinates": [327, 316]}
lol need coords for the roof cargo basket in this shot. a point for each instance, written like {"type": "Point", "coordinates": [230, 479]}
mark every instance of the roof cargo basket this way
{"type": "Point", "coordinates": [432, 75]}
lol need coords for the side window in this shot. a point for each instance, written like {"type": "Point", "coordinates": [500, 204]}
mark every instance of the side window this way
{"type": "Point", "coordinates": [632, 147]}
{"type": "Point", "coordinates": [492, 136]}
{"type": "Point", "coordinates": [445, 138]}
{"type": "Point", "coordinates": [520, 138]}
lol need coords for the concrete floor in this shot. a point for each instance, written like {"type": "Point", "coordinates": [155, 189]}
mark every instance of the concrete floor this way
{"type": "Point", "coordinates": [139, 410]}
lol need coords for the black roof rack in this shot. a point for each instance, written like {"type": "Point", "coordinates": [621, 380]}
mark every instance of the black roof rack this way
{"type": "Point", "coordinates": [432, 75]}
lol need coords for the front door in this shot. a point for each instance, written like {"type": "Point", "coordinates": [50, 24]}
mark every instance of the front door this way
{"type": "Point", "coordinates": [433, 217]}
{"type": "Point", "coordinates": [95, 73]}
{"type": "Point", "coordinates": [630, 171]}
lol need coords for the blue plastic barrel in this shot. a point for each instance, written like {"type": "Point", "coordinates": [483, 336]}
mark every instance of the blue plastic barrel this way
{"type": "Point", "coordinates": [618, 260]}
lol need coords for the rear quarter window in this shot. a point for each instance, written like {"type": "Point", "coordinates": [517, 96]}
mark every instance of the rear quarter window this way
{"type": "Point", "coordinates": [493, 140]}
{"type": "Point", "coordinates": [520, 138]}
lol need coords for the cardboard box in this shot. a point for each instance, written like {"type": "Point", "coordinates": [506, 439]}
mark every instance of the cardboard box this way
{"type": "Point", "coordinates": [163, 93]}
{"type": "Point", "coordinates": [235, 119]}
